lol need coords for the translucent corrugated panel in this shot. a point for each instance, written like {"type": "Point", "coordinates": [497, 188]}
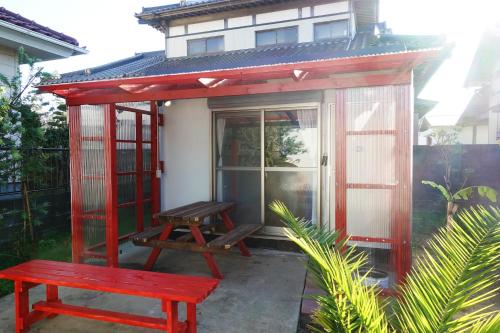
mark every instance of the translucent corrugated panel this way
{"type": "Point", "coordinates": [125, 125]}
{"type": "Point", "coordinates": [146, 127]}
{"type": "Point", "coordinates": [371, 159]}
{"type": "Point", "coordinates": [371, 108]}
{"type": "Point", "coordinates": [369, 213]}
{"type": "Point", "coordinates": [371, 156]}
{"type": "Point", "coordinates": [92, 185]}
{"type": "Point", "coordinates": [125, 156]}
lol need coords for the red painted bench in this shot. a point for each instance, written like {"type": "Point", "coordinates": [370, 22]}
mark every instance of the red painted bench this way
{"type": "Point", "coordinates": [169, 288]}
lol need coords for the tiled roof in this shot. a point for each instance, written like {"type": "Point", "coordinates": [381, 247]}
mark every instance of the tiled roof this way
{"type": "Point", "coordinates": [158, 9]}
{"type": "Point", "coordinates": [200, 3]}
{"type": "Point", "coordinates": [16, 19]}
{"type": "Point", "coordinates": [155, 63]}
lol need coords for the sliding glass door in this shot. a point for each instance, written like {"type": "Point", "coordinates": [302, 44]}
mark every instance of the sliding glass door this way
{"type": "Point", "coordinates": [267, 155]}
{"type": "Point", "coordinates": [238, 163]}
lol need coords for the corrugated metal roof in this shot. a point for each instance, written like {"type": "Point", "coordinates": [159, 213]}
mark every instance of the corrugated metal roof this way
{"type": "Point", "coordinates": [21, 21]}
{"type": "Point", "coordinates": [155, 63]}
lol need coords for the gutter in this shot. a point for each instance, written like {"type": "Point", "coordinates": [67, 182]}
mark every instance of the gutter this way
{"type": "Point", "coordinates": [76, 49]}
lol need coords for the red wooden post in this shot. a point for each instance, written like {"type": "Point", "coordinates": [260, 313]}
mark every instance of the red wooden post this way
{"type": "Point", "coordinates": [172, 310]}
{"type": "Point", "coordinates": [156, 251]}
{"type": "Point", "coordinates": [340, 165]}
{"type": "Point", "coordinates": [228, 223]}
{"type": "Point", "coordinates": [402, 204]}
{"type": "Point", "coordinates": [191, 317]}
{"type": "Point", "coordinates": [209, 257]}
{"type": "Point", "coordinates": [74, 114]}
{"type": "Point", "coordinates": [155, 182]}
{"type": "Point", "coordinates": [21, 296]}
{"type": "Point", "coordinates": [111, 185]}
{"type": "Point", "coordinates": [139, 172]}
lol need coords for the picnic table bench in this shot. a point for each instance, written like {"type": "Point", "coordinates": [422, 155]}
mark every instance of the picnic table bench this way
{"type": "Point", "coordinates": [169, 288]}
{"type": "Point", "coordinates": [192, 216]}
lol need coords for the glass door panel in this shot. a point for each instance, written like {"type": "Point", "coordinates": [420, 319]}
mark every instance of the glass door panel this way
{"type": "Point", "coordinates": [297, 189]}
{"type": "Point", "coordinates": [291, 161]}
{"type": "Point", "coordinates": [238, 163]}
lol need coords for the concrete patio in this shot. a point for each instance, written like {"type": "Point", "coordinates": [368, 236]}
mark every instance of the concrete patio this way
{"type": "Point", "coordinates": [258, 294]}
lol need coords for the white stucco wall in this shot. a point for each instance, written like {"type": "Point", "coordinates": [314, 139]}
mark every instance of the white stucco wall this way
{"type": "Point", "coordinates": [186, 148]}
{"type": "Point", "coordinates": [241, 30]}
{"type": "Point", "coordinates": [8, 61]}
{"type": "Point", "coordinates": [244, 37]}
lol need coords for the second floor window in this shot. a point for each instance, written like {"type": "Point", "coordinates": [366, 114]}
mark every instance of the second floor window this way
{"type": "Point", "coordinates": [205, 45]}
{"type": "Point", "coordinates": [330, 30]}
{"type": "Point", "coordinates": [277, 36]}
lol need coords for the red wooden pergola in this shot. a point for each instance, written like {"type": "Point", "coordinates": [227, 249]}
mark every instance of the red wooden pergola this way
{"type": "Point", "coordinates": [110, 94]}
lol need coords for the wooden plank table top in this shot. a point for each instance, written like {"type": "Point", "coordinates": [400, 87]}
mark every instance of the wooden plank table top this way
{"type": "Point", "coordinates": [193, 213]}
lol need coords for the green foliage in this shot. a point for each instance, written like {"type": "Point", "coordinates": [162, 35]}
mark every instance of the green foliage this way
{"type": "Point", "coordinates": [56, 127]}
{"type": "Point", "coordinates": [349, 305]}
{"type": "Point", "coordinates": [457, 272]}
{"type": "Point", "coordinates": [464, 193]}
{"type": "Point", "coordinates": [281, 143]}
{"type": "Point", "coordinates": [22, 134]}
{"type": "Point", "coordinates": [444, 191]}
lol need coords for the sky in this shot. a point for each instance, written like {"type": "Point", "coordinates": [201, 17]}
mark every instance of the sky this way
{"type": "Point", "coordinates": [110, 32]}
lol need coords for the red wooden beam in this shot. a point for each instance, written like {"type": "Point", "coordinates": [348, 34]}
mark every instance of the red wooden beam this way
{"type": "Point", "coordinates": [245, 89]}
{"type": "Point", "coordinates": [102, 315]}
{"type": "Point", "coordinates": [341, 65]}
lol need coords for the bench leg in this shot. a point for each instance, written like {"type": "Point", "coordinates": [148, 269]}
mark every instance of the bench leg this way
{"type": "Point", "coordinates": [228, 223]}
{"type": "Point", "coordinates": [156, 251]}
{"type": "Point", "coordinates": [209, 257]}
{"type": "Point", "coordinates": [52, 295]}
{"type": "Point", "coordinates": [172, 311]}
{"type": "Point", "coordinates": [191, 318]}
{"type": "Point", "coordinates": [21, 296]}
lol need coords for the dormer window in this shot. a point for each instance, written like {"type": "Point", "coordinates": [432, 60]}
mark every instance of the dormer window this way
{"type": "Point", "coordinates": [277, 36]}
{"type": "Point", "coordinates": [205, 45]}
{"type": "Point", "coordinates": [330, 30]}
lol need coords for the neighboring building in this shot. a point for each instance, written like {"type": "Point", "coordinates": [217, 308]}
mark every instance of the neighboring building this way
{"type": "Point", "coordinates": [480, 121]}
{"type": "Point", "coordinates": [474, 123]}
{"type": "Point", "coordinates": [37, 40]}
{"type": "Point", "coordinates": [308, 102]}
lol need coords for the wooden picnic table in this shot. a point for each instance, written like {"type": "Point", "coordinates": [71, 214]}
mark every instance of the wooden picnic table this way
{"type": "Point", "coordinates": [192, 216]}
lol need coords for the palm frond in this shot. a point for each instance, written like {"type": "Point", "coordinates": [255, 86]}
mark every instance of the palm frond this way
{"type": "Point", "coordinates": [489, 325]}
{"type": "Point", "coordinates": [349, 305]}
{"type": "Point", "coordinates": [458, 270]}
{"type": "Point", "coordinates": [303, 228]}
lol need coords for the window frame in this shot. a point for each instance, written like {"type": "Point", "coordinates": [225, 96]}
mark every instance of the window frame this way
{"type": "Point", "coordinates": [316, 39]}
{"type": "Point", "coordinates": [205, 40]}
{"type": "Point", "coordinates": [275, 30]}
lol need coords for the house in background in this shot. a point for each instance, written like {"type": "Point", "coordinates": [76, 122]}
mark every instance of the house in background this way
{"type": "Point", "coordinates": [308, 102]}
{"type": "Point", "coordinates": [480, 121]}
{"type": "Point", "coordinates": [474, 123]}
{"type": "Point", "coordinates": [38, 41]}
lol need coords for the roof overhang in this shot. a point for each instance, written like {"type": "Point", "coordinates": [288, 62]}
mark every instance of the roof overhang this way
{"type": "Point", "coordinates": [168, 13]}
{"type": "Point", "coordinates": [371, 70]}
{"type": "Point", "coordinates": [35, 44]}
